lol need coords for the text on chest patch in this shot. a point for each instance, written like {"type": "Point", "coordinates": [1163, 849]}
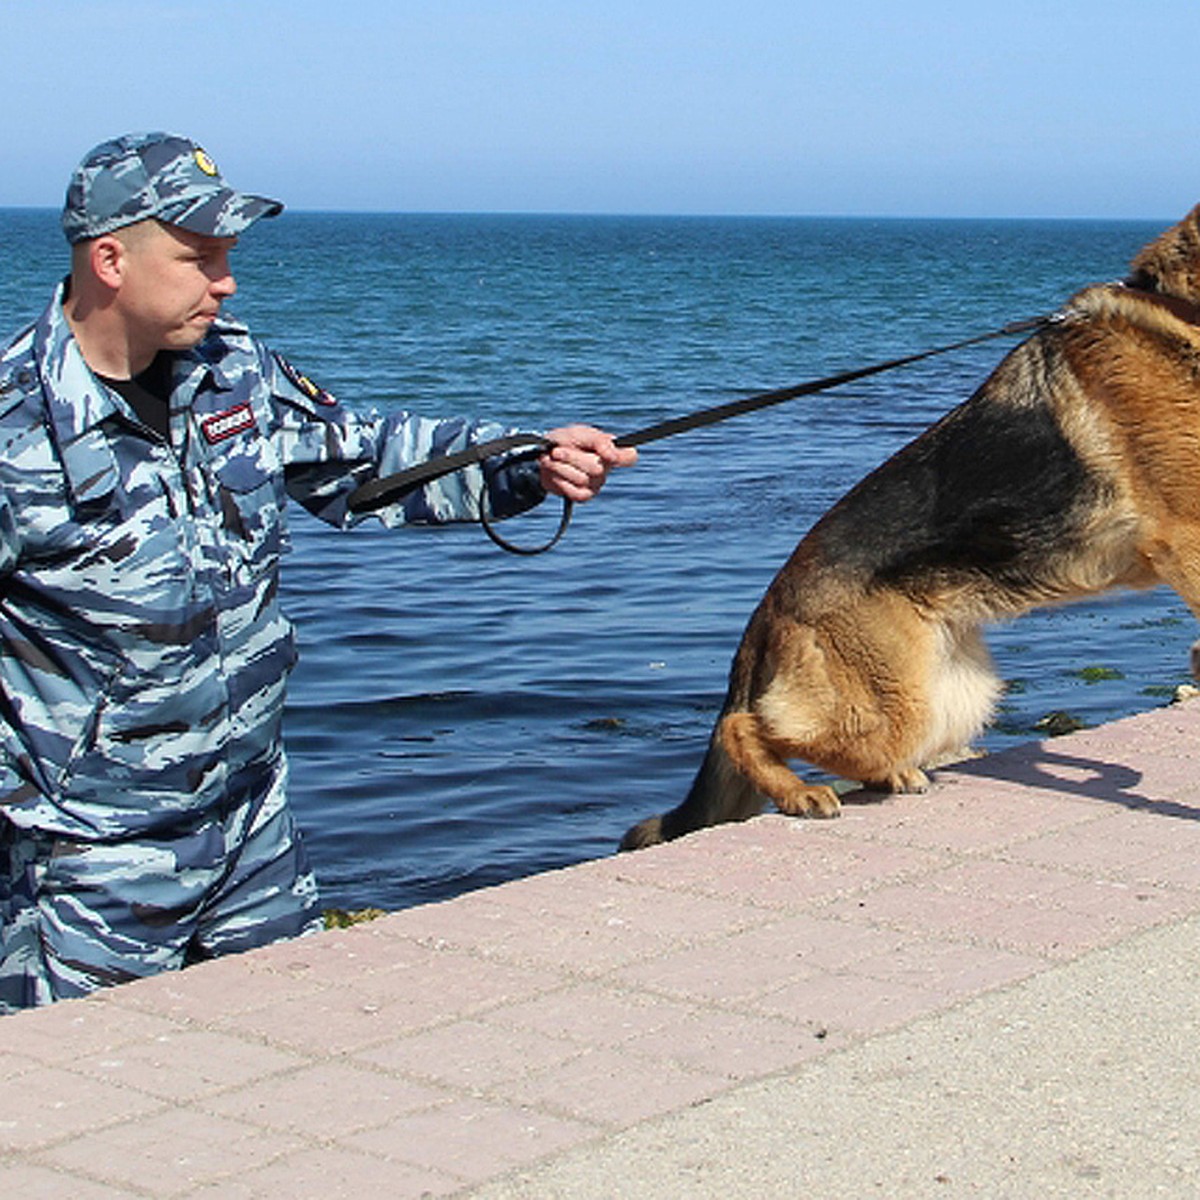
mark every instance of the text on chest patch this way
{"type": "Point", "coordinates": [225, 424]}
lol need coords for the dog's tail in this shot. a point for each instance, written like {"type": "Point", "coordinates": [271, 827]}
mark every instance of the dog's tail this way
{"type": "Point", "coordinates": [718, 794]}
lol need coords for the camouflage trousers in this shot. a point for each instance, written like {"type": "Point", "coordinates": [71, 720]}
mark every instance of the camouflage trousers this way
{"type": "Point", "coordinates": [79, 915]}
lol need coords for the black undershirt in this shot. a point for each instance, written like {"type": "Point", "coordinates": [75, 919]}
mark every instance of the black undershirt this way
{"type": "Point", "coordinates": [148, 394]}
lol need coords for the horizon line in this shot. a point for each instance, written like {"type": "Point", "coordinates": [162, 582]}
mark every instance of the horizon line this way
{"type": "Point", "coordinates": [662, 215]}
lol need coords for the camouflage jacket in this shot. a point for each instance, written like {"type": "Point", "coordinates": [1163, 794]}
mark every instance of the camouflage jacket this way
{"type": "Point", "coordinates": [143, 653]}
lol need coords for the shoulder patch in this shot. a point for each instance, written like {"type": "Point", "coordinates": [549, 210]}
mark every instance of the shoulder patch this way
{"type": "Point", "coordinates": [302, 381]}
{"type": "Point", "coordinates": [16, 385]}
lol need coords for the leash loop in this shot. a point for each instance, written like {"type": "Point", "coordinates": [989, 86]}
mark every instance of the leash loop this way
{"type": "Point", "coordinates": [488, 522]}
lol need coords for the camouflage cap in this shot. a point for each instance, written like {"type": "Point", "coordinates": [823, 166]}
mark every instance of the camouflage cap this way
{"type": "Point", "coordinates": [162, 175]}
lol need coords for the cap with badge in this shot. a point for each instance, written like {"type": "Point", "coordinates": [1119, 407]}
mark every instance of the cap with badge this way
{"type": "Point", "coordinates": [161, 175]}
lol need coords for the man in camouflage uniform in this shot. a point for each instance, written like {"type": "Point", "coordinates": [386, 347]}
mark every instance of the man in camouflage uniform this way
{"type": "Point", "coordinates": [147, 447]}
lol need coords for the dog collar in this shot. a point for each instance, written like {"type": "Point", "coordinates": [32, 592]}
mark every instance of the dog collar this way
{"type": "Point", "coordinates": [1185, 310]}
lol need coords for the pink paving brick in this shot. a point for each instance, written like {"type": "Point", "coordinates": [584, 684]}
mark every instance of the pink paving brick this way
{"type": "Point", "coordinates": [237, 983]}
{"type": "Point", "coordinates": [761, 960]}
{"type": "Point", "coordinates": [1175, 869]}
{"type": "Point", "coordinates": [1047, 792]}
{"type": "Point", "coordinates": [1161, 827]}
{"type": "Point", "coordinates": [349, 1099]}
{"type": "Point", "coordinates": [590, 1014]}
{"type": "Point", "coordinates": [850, 1003]}
{"type": "Point", "coordinates": [376, 1007]}
{"type": "Point", "coordinates": [649, 1025]}
{"type": "Point", "coordinates": [473, 1139]}
{"type": "Point", "coordinates": [793, 867]}
{"type": "Point", "coordinates": [1175, 730]}
{"type": "Point", "coordinates": [1001, 881]}
{"type": "Point", "coordinates": [727, 972]}
{"type": "Point", "coordinates": [332, 1021]}
{"type": "Point", "coordinates": [12, 1066]}
{"type": "Point", "coordinates": [1054, 933]}
{"type": "Point", "coordinates": [337, 953]}
{"type": "Point", "coordinates": [172, 1152]}
{"type": "Point", "coordinates": [621, 922]}
{"type": "Point", "coordinates": [52, 1105]}
{"type": "Point", "coordinates": [470, 1055]}
{"type": "Point", "coordinates": [1072, 918]}
{"type": "Point", "coordinates": [1107, 848]}
{"type": "Point", "coordinates": [1169, 777]}
{"type": "Point", "coordinates": [468, 984]}
{"type": "Point", "coordinates": [185, 1064]}
{"type": "Point", "coordinates": [825, 943]}
{"type": "Point", "coordinates": [920, 908]}
{"type": "Point", "coordinates": [500, 932]}
{"type": "Point", "coordinates": [1130, 905]}
{"type": "Point", "coordinates": [26, 1179]}
{"type": "Point", "coordinates": [61, 1032]}
{"type": "Point", "coordinates": [967, 814]}
{"type": "Point", "coordinates": [333, 1173]}
{"type": "Point", "coordinates": [1067, 774]}
{"type": "Point", "coordinates": [737, 1046]}
{"type": "Point", "coordinates": [615, 1088]}
{"type": "Point", "coordinates": [620, 905]}
{"type": "Point", "coordinates": [1117, 843]}
{"type": "Point", "coordinates": [950, 970]}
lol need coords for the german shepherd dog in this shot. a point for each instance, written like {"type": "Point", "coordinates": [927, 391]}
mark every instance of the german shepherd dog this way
{"type": "Point", "coordinates": [1073, 470]}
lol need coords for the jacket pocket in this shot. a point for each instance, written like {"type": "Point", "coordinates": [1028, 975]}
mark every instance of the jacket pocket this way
{"type": "Point", "coordinates": [250, 495]}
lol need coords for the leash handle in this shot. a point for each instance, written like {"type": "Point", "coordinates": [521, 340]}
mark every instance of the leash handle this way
{"type": "Point", "coordinates": [378, 493]}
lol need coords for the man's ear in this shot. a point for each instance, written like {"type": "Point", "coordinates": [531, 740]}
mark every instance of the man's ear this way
{"type": "Point", "coordinates": [107, 257]}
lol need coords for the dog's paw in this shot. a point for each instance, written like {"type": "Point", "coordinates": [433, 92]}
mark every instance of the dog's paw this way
{"type": "Point", "coordinates": [812, 800]}
{"type": "Point", "coordinates": [644, 833]}
{"type": "Point", "coordinates": [910, 780]}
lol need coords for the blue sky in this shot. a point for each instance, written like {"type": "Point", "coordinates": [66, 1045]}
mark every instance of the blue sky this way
{"type": "Point", "coordinates": [1061, 108]}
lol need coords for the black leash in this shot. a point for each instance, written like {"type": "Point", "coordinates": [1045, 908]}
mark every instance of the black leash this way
{"type": "Point", "coordinates": [379, 492]}
{"type": "Point", "coordinates": [735, 408]}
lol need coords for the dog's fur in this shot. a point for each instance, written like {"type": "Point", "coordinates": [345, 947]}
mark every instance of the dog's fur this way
{"type": "Point", "coordinates": [1073, 470]}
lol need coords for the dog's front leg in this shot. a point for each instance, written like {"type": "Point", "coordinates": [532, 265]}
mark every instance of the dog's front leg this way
{"type": "Point", "coordinates": [1176, 562]}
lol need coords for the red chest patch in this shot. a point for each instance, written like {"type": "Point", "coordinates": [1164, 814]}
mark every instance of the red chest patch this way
{"type": "Point", "coordinates": [225, 424]}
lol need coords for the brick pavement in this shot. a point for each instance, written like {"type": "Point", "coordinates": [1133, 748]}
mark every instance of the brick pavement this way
{"type": "Point", "coordinates": [440, 1048]}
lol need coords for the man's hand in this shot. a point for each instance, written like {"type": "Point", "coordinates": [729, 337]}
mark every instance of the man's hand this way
{"type": "Point", "coordinates": [580, 461]}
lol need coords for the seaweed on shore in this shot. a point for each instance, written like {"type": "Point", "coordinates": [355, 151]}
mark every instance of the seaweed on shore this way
{"type": "Point", "coordinates": [342, 918]}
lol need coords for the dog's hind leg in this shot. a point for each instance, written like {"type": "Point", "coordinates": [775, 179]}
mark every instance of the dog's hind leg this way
{"type": "Point", "coordinates": [760, 759]}
{"type": "Point", "coordinates": [851, 696]}
{"type": "Point", "coordinates": [797, 711]}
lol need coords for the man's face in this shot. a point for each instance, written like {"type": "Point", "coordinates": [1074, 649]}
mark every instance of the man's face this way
{"type": "Point", "coordinates": [173, 284]}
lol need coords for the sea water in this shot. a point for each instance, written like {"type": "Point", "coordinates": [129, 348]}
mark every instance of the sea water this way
{"type": "Point", "coordinates": [461, 716]}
